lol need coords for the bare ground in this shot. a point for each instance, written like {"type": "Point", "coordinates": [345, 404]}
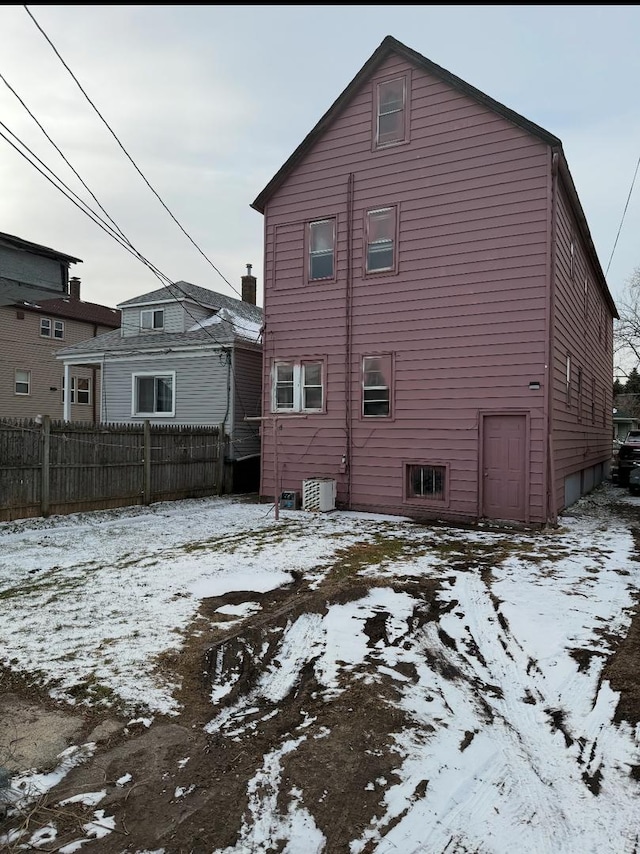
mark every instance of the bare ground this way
{"type": "Point", "coordinates": [347, 744]}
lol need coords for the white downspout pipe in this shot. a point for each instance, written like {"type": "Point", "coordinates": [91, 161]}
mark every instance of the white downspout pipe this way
{"type": "Point", "coordinates": [66, 394]}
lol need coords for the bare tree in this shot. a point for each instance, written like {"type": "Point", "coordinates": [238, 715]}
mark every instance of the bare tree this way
{"type": "Point", "coordinates": [627, 328]}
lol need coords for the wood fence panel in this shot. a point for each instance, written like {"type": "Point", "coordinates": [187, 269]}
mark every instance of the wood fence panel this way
{"type": "Point", "coordinates": [94, 467]}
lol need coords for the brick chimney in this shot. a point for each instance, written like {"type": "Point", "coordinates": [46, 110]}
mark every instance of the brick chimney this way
{"type": "Point", "coordinates": [74, 287]}
{"type": "Point", "coordinates": [249, 287]}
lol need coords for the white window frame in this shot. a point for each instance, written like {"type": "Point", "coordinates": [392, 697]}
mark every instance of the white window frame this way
{"type": "Point", "coordinates": [45, 327]}
{"type": "Point", "coordinates": [151, 323]}
{"type": "Point", "coordinates": [58, 329]}
{"type": "Point", "coordinates": [26, 382]}
{"type": "Point", "coordinates": [156, 375]}
{"type": "Point", "coordinates": [75, 386]}
{"type": "Point", "coordinates": [299, 385]}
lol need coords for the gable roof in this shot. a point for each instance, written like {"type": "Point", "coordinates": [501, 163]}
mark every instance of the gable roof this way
{"type": "Point", "coordinates": [391, 45]}
{"type": "Point", "coordinates": [185, 291]}
{"type": "Point", "coordinates": [74, 309]}
{"type": "Point", "coordinates": [388, 46]}
{"type": "Point", "coordinates": [36, 248]}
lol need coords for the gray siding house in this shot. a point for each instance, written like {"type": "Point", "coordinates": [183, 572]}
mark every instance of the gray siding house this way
{"type": "Point", "coordinates": [31, 378]}
{"type": "Point", "coordinates": [183, 355]}
{"type": "Point", "coordinates": [437, 319]}
{"type": "Point", "coordinates": [31, 272]}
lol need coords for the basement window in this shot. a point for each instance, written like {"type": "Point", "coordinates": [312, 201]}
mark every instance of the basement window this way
{"type": "Point", "coordinates": [426, 482]}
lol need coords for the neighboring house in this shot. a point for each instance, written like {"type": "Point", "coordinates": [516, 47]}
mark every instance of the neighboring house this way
{"type": "Point", "coordinates": [436, 315]}
{"type": "Point", "coordinates": [31, 272]}
{"type": "Point", "coordinates": [31, 378]}
{"type": "Point", "coordinates": [622, 423]}
{"type": "Point", "coordinates": [183, 355]}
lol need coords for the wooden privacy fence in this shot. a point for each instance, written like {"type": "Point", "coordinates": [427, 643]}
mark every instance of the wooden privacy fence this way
{"type": "Point", "coordinates": [63, 467]}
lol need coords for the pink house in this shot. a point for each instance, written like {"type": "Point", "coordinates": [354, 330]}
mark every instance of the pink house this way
{"type": "Point", "coordinates": [438, 335]}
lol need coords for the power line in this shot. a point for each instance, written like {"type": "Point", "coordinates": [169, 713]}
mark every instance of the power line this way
{"type": "Point", "coordinates": [126, 153]}
{"type": "Point", "coordinates": [624, 213]}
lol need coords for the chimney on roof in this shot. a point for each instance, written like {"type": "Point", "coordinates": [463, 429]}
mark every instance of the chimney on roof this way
{"type": "Point", "coordinates": [74, 287]}
{"type": "Point", "coordinates": [249, 287]}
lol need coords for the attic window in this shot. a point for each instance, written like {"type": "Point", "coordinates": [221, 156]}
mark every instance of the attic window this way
{"type": "Point", "coordinates": [152, 318]}
{"type": "Point", "coordinates": [391, 119]}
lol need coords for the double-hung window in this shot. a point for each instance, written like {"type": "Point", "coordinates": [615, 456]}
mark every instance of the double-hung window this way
{"type": "Point", "coordinates": [381, 240]}
{"type": "Point", "coordinates": [322, 249]}
{"type": "Point", "coordinates": [152, 318]}
{"type": "Point", "coordinates": [22, 382]}
{"type": "Point", "coordinates": [154, 394]}
{"type": "Point", "coordinates": [80, 390]}
{"type": "Point", "coordinates": [298, 386]}
{"type": "Point", "coordinates": [391, 123]}
{"type": "Point", "coordinates": [376, 386]}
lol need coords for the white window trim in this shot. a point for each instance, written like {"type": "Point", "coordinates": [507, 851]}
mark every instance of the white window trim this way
{"type": "Point", "coordinates": [152, 312]}
{"type": "Point", "coordinates": [46, 332]}
{"type": "Point", "coordinates": [298, 388]}
{"type": "Point", "coordinates": [58, 325]}
{"type": "Point", "coordinates": [28, 383]}
{"type": "Point", "coordinates": [157, 375]}
{"type": "Point", "coordinates": [74, 388]}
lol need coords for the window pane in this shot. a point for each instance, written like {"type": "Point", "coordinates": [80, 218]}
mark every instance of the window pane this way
{"type": "Point", "coordinates": [426, 482]}
{"type": "Point", "coordinates": [322, 236]}
{"type": "Point", "coordinates": [164, 393]}
{"type": "Point", "coordinates": [313, 397]}
{"type": "Point", "coordinates": [58, 329]}
{"type": "Point", "coordinates": [45, 326]}
{"type": "Point", "coordinates": [145, 387]}
{"type": "Point", "coordinates": [381, 225]}
{"type": "Point", "coordinates": [284, 373]}
{"type": "Point", "coordinates": [158, 319]}
{"type": "Point", "coordinates": [284, 387]}
{"type": "Point", "coordinates": [322, 266]}
{"type": "Point", "coordinates": [312, 374]}
{"type": "Point", "coordinates": [391, 96]}
{"type": "Point", "coordinates": [380, 257]}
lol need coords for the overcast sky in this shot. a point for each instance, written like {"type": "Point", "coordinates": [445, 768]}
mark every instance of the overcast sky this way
{"type": "Point", "coordinates": [209, 101]}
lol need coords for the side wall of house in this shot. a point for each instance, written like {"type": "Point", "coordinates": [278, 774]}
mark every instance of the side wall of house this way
{"type": "Point", "coordinates": [246, 380]}
{"type": "Point", "coordinates": [200, 386]}
{"type": "Point", "coordinates": [21, 272]}
{"type": "Point", "coordinates": [24, 349]}
{"type": "Point", "coordinates": [582, 365]}
{"type": "Point", "coordinates": [463, 318]}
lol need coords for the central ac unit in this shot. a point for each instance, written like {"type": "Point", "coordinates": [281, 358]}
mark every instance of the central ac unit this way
{"type": "Point", "coordinates": [319, 494]}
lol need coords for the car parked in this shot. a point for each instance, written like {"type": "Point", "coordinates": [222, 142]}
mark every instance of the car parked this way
{"type": "Point", "coordinates": [628, 456]}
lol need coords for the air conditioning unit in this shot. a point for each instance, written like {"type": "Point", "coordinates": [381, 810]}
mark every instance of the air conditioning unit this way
{"type": "Point", "coordinates": [319, 494]}
{"type": "Point", "coordinates": [290, 500]}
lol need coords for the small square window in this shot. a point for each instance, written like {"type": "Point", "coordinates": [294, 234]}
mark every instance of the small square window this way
{"type": "Point", "coordinates": [152, 319]}
{"type": "Point", "coordinates": [22, 382]}
{"type": "Point", "coordinates": [153, 395]}
{"type": "Point", "coordinates": [426, 481]}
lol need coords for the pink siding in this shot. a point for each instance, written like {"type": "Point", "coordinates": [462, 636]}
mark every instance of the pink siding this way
{"type": "Point", "coordinates": [581, 434]}
{"type": "Point", "coordinates": [465, 316]}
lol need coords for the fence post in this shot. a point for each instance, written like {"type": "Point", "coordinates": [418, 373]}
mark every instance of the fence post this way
{"type": "Point", "coordinates": [46, 466]}
{"type": "Point", "coordinates": [146, 460]}
{"type": "Point", "coordinates": [221, 449]}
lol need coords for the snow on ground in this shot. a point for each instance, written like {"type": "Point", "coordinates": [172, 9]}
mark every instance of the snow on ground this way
{"type": "Point", "coordinates": [510, 742]}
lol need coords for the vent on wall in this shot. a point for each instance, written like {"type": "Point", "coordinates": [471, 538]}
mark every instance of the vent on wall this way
{"type": "Point", "coordinates": [20, 315]}
{"type": "Point", "coordinates": [319, 494]}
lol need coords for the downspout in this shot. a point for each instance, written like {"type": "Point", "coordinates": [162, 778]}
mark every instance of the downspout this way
{"type": "Point", "coordinates": [348, 341]}
{"type": "Point", "coordinates": [552, 513]}
{"type": "Point", "coordinates": [94, 374]}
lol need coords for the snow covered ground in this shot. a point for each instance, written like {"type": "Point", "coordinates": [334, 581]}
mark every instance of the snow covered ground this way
{"type": "Point", "coordinates": [508, 740]}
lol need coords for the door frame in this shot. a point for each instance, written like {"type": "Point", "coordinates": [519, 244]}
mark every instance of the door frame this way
{"type": "Point", "coordinates": [487, 413]}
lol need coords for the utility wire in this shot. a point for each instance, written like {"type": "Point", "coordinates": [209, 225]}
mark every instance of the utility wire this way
{"type": "Point", "coordinates": [624, 213]}
{"type": "Point", "coordinates": [126, 153]}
